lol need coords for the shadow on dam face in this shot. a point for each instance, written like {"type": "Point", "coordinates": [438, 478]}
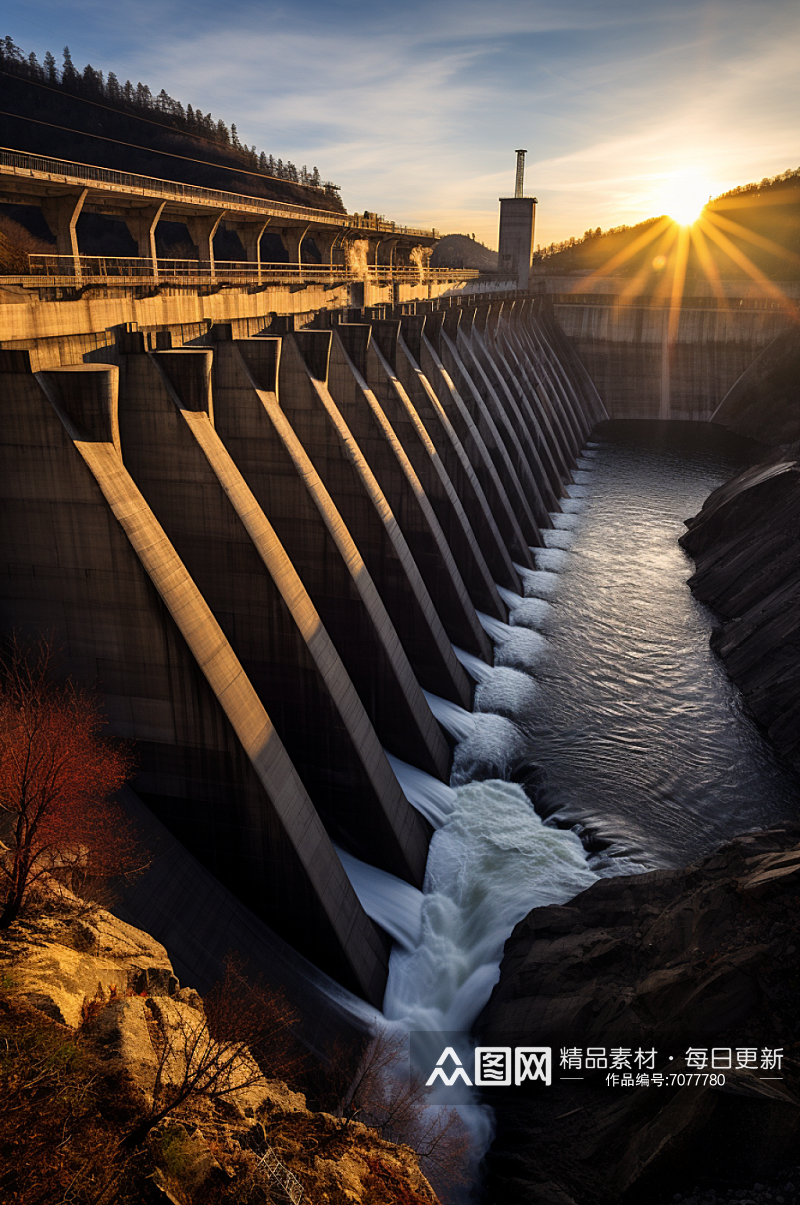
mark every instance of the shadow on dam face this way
{"type": "Point", "coordinates": [273, 555]}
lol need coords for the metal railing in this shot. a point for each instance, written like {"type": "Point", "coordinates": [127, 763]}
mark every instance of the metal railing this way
{"type": "Point", "coordinates": [110, 271]}
{"type": "Point", "coordinates": [63, 171]}
{"type": "Point", "coordinates": [613, 300]}
{"type": "Point", "coordinates": [279, 1172]}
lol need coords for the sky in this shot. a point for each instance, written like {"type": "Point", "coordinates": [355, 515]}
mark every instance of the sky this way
{"type": "Point", "coordinates": [416, 108]}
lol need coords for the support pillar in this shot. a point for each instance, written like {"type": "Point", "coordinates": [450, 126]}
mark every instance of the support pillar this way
{"type": "Point", "coordinates": [325, 241]}
{"type": "Point", "coordinates": [142, 226]}
{"type": "Point", "coordinates": [384, 252]}
{"type": "Point", "coordinates": [250, 237]}
{"type": "Point", "coordinates": [61, 215]}
{"type": "Point", "coordinates": [292, 238]}
{"type": "Point", "coordinates": [201, 232]}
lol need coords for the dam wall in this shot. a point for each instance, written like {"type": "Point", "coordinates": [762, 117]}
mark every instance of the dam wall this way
{"type": "Point", "coordinates": [273, 553]}
{"type": "Point", "coordinates": [652, 358]}
{"type": "Point", "coordinates": [87, 322]}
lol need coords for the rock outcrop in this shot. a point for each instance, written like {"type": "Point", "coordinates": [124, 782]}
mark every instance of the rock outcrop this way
{"type": "Point", "coordinates": [765, 402]}
{"type": "Point", "coordinates": [703, 957]}
{"type": "Point", "coordinates": [746, 550]}
{"type": "Point", "coordinates": [100, 999]}
{"type": "Point", "coordinates": [59, 965]}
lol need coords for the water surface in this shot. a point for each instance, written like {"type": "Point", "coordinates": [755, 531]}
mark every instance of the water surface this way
{"type": "Point", "coordinates": [641, 736]}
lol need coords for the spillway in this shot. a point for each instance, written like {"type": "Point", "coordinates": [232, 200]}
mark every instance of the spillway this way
{"type": "Point", "coordinates": [374, 585]}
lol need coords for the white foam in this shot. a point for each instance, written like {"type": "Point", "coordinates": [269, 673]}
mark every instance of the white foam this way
{"type": "Point", "coordinates": [554, 560]}
{"type": "Point", "coordinates": [556, 538]}
{"type": "Point", "coordinates": [565, 522]}
{"type": "Point", "coordinates": [523, 649]}
{"type": "Point", "coordinates": [540, 583]}
{"type": "Point", "coordinates": [533, 613]}
{"type": "Point", "coordinates": [508, 692]}
{"type": "Point", "coordinates": [488, 866]}
{"type": "Point", "coordinates": [495, 746]}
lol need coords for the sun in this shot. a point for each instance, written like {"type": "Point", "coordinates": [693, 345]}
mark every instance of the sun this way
{"type": "Point", "coordinates": [684, 195]}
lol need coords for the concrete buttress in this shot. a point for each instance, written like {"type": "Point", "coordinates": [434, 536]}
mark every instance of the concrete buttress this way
{"type": "Point", "coordinates": [129, 618]}
{"type": "Point", "coordinates": [183, 468]}
{"type": "Point", "coordinates": [449, 447]}
{"type": "Point", "coordinates": [381, 364]}
{"type": "Point", "coordinates": [395, 474]}
{"type": "Point", "coordinates": [479, 456]}
{"type": "Point", "coordinates": [255, 428]}
{"type": "Point", "coordinates": [334, 451]}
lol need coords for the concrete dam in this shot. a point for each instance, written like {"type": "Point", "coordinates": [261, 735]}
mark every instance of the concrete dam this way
{"type": "Point", "coordinates": [274, 556]}
{"type": "Point", "coordinates": [280, 554]}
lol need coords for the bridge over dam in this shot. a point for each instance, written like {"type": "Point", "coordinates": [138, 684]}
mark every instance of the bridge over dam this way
{"type": "Point", "coordinates": [274, 530]}
{"type": "Point", "coordinates": [64, 190]}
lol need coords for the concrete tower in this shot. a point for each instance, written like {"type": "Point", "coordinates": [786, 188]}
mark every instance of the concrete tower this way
{"type": "Point", "coordinates": [517, 221]}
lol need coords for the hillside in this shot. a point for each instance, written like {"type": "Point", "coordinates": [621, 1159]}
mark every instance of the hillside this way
{"type": "Point", "coordinates": [461, 251]}
{"type": "Point", "coordinates": [83, 117]}
{"type": "Point", "coordinates": [97, 1037]}
{"type": "Point", "coordinates": [755, 226]}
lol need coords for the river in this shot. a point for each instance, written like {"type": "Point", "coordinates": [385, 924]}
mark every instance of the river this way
{"type": "Point", "coordinates": [607, 738]}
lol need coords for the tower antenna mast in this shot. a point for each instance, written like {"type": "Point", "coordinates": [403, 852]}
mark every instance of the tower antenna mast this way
{"type": "Point", "coordinates": [520, 173]}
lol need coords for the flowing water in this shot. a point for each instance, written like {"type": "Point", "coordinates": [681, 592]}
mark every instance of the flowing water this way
{"type": "Point", "coordinates": [606, 739]}
{"type": "Point", "coordinates": [641, 738]}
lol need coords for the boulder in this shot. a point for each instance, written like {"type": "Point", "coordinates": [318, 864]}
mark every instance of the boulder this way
{"type": "Point", "coordinates": [704, 956]}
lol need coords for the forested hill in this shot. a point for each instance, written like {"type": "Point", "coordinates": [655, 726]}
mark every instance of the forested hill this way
{"type": "Point", "coordinates": [755, 226]}
{"type": "Point", "coordinates": [88, 118]}
{"type": "Point", "coordinates": [461, 251]}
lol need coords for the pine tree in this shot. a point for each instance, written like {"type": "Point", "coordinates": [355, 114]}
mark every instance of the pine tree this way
{"type": "Point", "coordinates": [92, 81]}
{"type": "Point", "coordinates": [68, 72]}
{"type": "Point", "coordinates": [12, 52]}
{"type": "Point", "coordinates": [50, 69]}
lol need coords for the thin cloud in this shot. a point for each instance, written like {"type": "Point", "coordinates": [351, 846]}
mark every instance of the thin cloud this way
{"type": "Point", "coordinates": [415, 109]}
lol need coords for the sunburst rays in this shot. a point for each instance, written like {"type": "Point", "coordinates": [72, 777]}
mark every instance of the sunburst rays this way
{"type": "Point", "coordinates": [622, 257]}
{"type": "Point", "coordinates": [672, 243]}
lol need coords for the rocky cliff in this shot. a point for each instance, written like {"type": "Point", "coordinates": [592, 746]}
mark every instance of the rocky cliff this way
{"type": "Point", "coordinates": [94, 1025]}
{"type": "Point", "coordinates": [747, 568]}
{"type": "Point", "coordinates": [699, 958]}
{"type": "Point", "coordinates": [763, 403]}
